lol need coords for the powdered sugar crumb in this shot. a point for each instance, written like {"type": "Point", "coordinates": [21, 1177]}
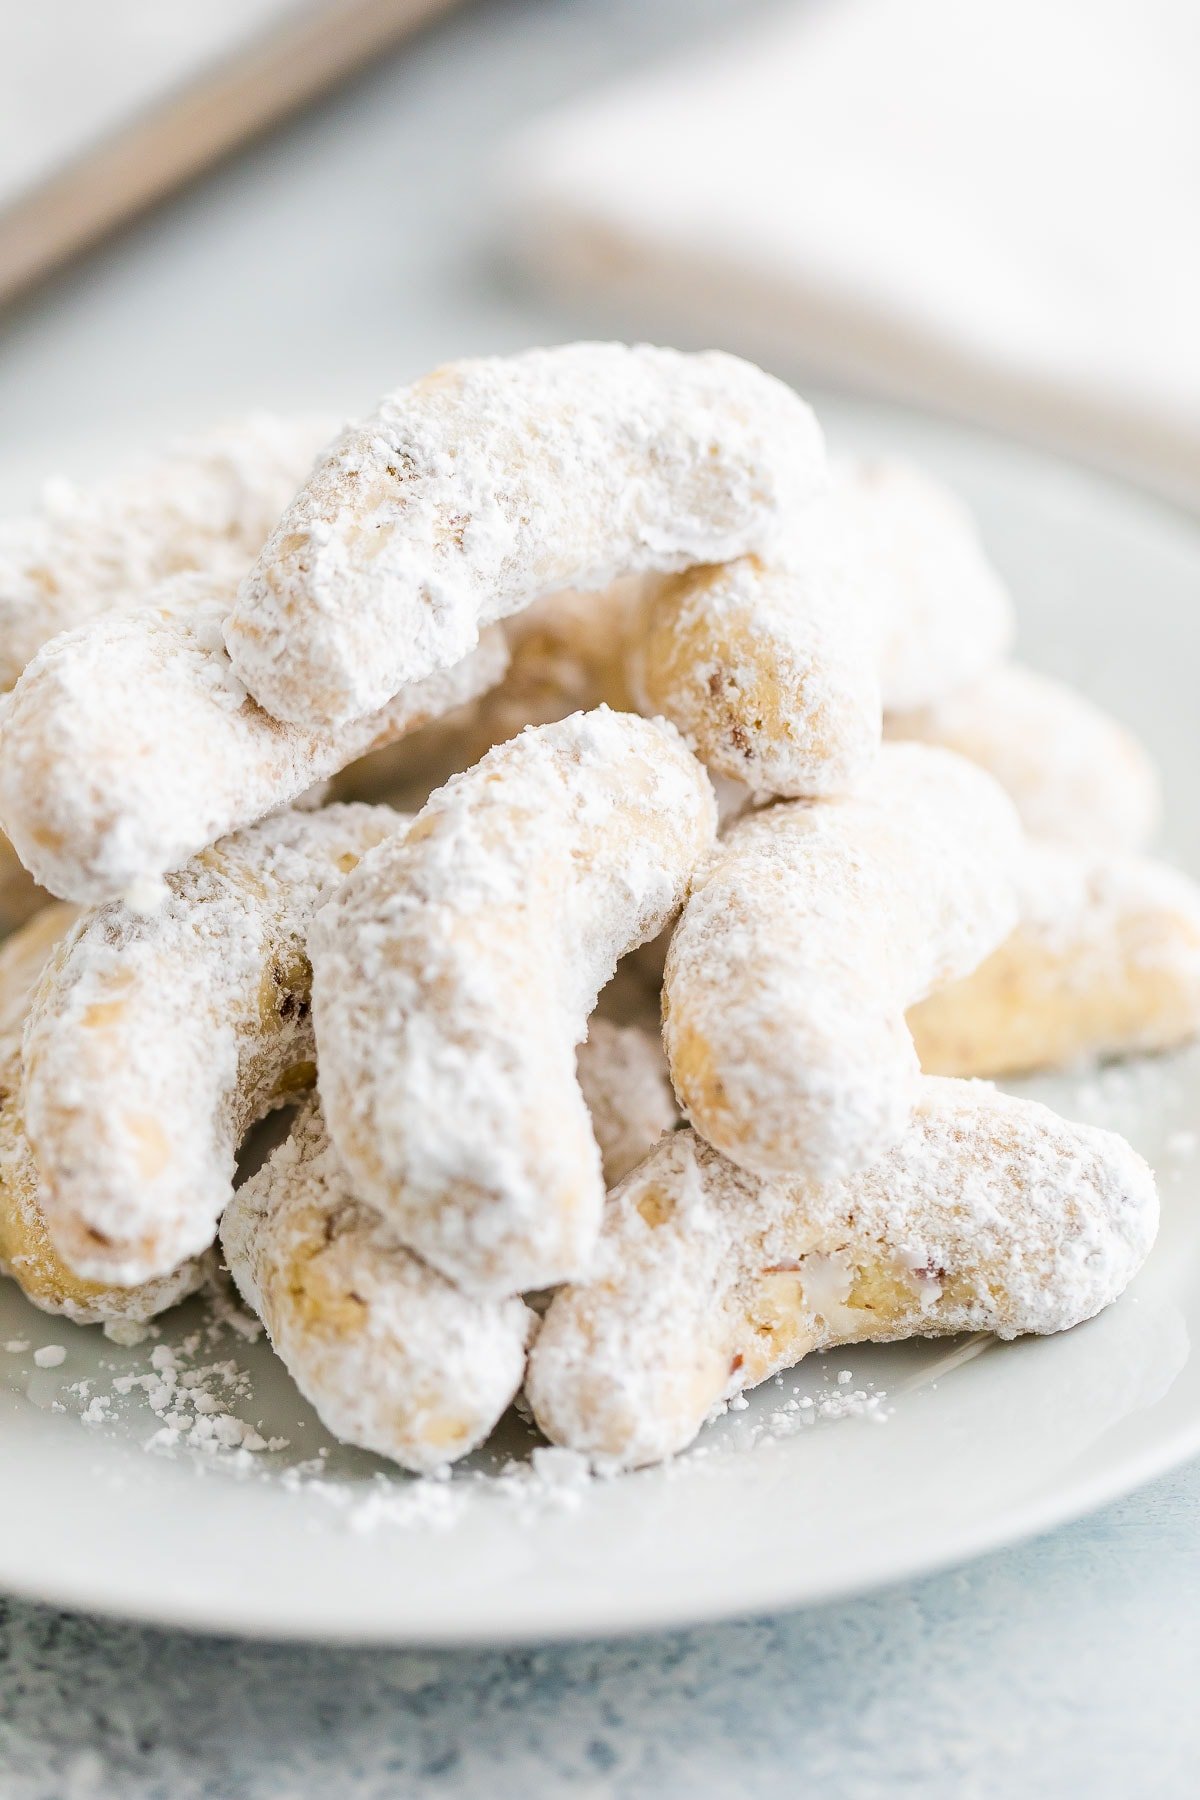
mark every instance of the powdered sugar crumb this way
{"type": "Point", "coordinates": [775, 1421]}
{"type": "Point", "coordinates": [227, 1311]}
{"type": "Point", "coordinates": [193, 1400]}
{"type": "Point", "coordinates": [127, 1332]}
{"type": "Point", "coordinates": [201, 1399]}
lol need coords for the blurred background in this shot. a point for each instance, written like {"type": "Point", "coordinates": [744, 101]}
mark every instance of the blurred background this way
{"type": "Point", "coordinates": [989, 210]}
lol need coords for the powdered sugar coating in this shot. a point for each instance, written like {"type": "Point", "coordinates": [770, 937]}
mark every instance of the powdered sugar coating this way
{"type": "Point", "coordinates": [990, 1214]}
{"type": "Point", "coordinates": [1105, 962]}
{"type": "Point", "coordinates": [205, 502]}
{"type": "Point", "coordinates": [130, 744]}
{"type": "Point", "coordinates": [453, 976]}
{"type": "Point", "coordinates": [391, 1354]}
{"type": "Point", "coordinates": [26, 1252]}
{"type": "Point", "coordinates": [773, 670]}
{"type": "Point", "coordinates": [944, 616]}
{"type": "Point", "coordinates": [154, 1042]}
{"type": "Point", "coordinates": [1075, 774]}
{"type": "Point", "coordinates": [626, 1086]}
{"type": "Point", "coordinates": [491, 482]}
{"type": "Point", "coordinates": [811, 929]}
{"type": "Point", "coordinates": [770, 671]}
{"type": "Point", "coordinates": [566, 654]}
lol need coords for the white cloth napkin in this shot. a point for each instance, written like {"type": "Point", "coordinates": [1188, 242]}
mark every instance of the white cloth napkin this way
{"type": "Point", "coordinates": [990, 207]}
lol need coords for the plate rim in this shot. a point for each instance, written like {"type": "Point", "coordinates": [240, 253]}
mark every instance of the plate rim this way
{"type": "Point", "coordinates": [1006, 1529]}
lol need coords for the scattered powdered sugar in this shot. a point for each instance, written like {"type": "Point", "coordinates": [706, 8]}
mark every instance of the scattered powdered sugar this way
{"type": "Point", "coordinates": [550, 1480]}
{"type": "Point", "coordinates": [776, 1420]}
{"type": "Point", "coordinates": [227, 1313]}
{"type": "Point", "coordinates": [801, 1411]}
{"type": "Point", "coordinates": [197, 1399]}
{"type": "Point", "coordinates": [427, 1504]}
{"type": "Point", "coordinates": [126, 1332]}
{"type": "Point", "coordinates": [199, 1394]}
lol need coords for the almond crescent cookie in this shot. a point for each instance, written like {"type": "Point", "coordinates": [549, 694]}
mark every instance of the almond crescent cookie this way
{"type": "Point", "coordinates": [1105, 962]}
{"type": "Point", "coordinates": [774, 669]}
{"type": "Point", "coordinates": [129, 745]}
{"type": "Point", "coordinates": [492, 482]}
{"type": "Point", "coordinates": [626, 1086]}
{"type": "Point", "coordinates": [990, 1214]}
{"type": "Point", "coordinates": [943, 615]}
{"type": "Point", "coordinates": [154, 1042]}
{"type": "Point", "coordinates": [1074, 774]}
{"type": "Point", "coordinates": [391, 1354]}
{"type": "Point", "coordinates": [768, 669]}
{"type": "Point", "coordinates": [566, 654]}
{"type": "Point", "coordinates": [205, 503]}
{"type": "Point", "coordinates": [454, 975]}
{"type": "Point", "coordinates": [807, 935]}
{"type": "Point", "coordinates": [26, 1252]}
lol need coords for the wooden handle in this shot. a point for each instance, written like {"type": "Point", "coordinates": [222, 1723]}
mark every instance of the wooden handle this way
{"type": "Point", "coordinates": [187, 132]}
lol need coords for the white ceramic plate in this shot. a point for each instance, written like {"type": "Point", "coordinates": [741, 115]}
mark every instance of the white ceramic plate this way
{"type": "Point", "coordinates": [969, 1447]}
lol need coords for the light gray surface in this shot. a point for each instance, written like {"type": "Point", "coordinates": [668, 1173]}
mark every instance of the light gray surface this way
{"type": "Point", "coordinates": [356, 248]}
{"type": "Point", "coordinates": [1056, 1671]}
